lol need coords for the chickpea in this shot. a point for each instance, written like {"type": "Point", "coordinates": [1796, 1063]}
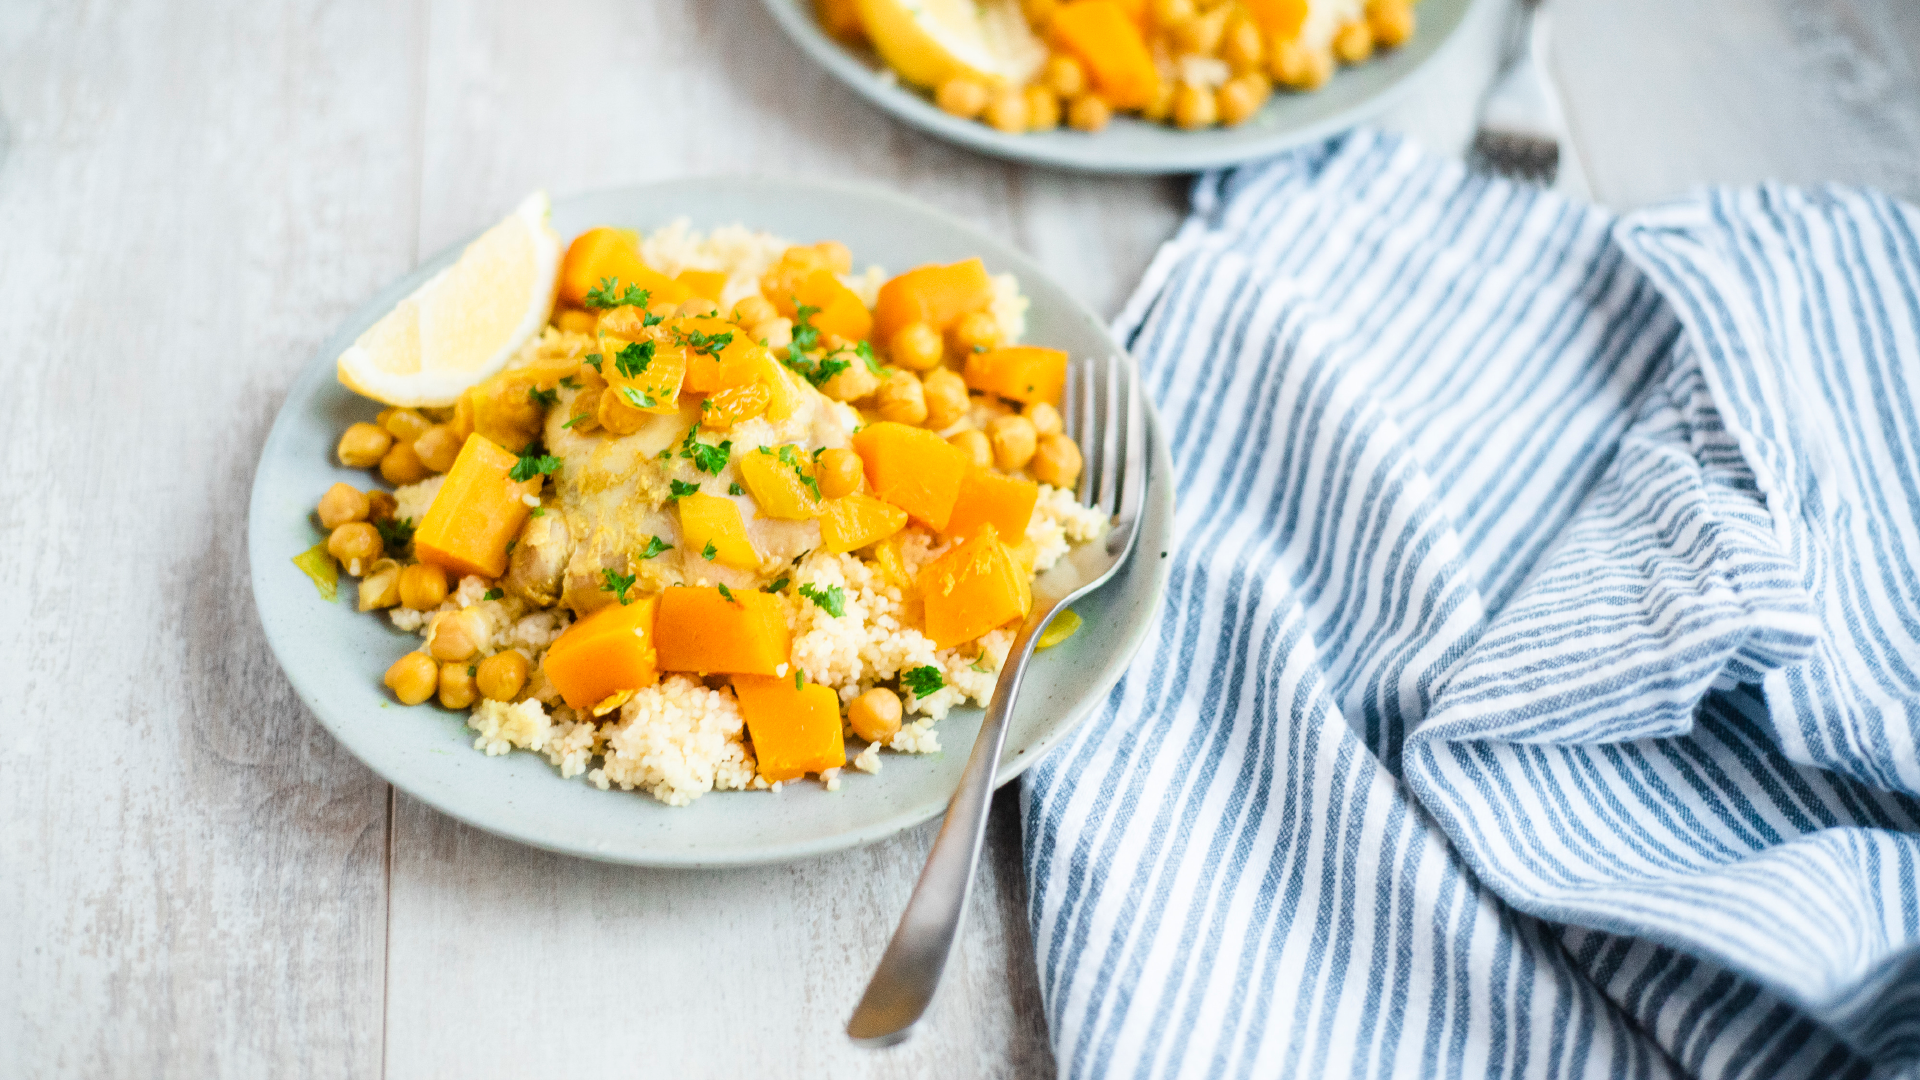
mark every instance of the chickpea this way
{"type": "Point", "coordinates": [438, 448]}
{"type": "Point", "coordinates": [1014, 440]}
{"type": "Point", "coordinates": [356, 544]}
{"type": "Point", "coordinates": [402, 465]}
{"type": "Point", "coordinates": [1161, 107]}
{"type": "Point", "coordinates": [852, 382]}
{"type": "Point", "coordinates": [617, 415]}
{"type": "Point", "coordinates": [456, 685]}
{"type": "Point", "coordinates": [837, 256]}
{"type": "Point", "coordinates": [1169, 12]}
{"type": "Point", "coordinates": [1392, 22]}
{"type": "Point", "coordinates": [457, 635]}
{"type": "Point", "coordinates": [381, 587]}
{"type": "Point", "coordinates": [1044, 418]}
{"type": "Point", "coordinates": [342, 503]}
{"type": "Point", "coordinates": [381, 506]}
{"type": "Point", "coordinates": [963, 97]}
{"type": "Point", "coordinates": [502, 675]}
{"type": "Point", "coordinates": [1089, 113]}
{"type": "Point", "coordinates": [974, 332]}
{"type": "Point", "coordinates": [1202, 34]}
{"type": "Point", "coordinates": [1297, 66]}
{"type": "Point", "coordinates": [1242, 97]}
{"type": "Point", "coordinates": [946, 394]}
{"type": "Point", "coordinates": [975, 444]}
{"type": "Point", "coordinates": [902, 399]}
{"type": "Point", "coordinates": [1007, 111]}
{"type": "Point", "coordinates": [753, 310]}
{"type": "Point", "coordinates": [1194, 107]}
{"type": "Point", "coordinates": [773, 333]}
{"type": "Point", "coordinates": [698, 307]}
{"type": "Point", "coordinates": [462, 422]}
{"type": "Point", "coordinates": [1065, 76]}
{"type": "Point", "coordinates": [363, 445]}
{"type": "Point", "coordinates": [1056, 461]}
{"type": "Point", "coordinates": [572, 321]}
{"type": "Point", "coordinates": [1353, 42]}
{"type": "Point", "coordinates": [1243, 49]}
{"type": "Point", "coordinates": [1043, 108]}
{"type": "Point", "coordinates": [423, 587]}
{"type": "Point", "coordinates": [413, 678]}
{"type": "Point", "coordinates": [839, 472]}
{"type": "Point", "coordinates": [875, 715]}
{"type": "Point", "coordinates": [404, 424]}
{"type": "Point", "coordinates": [916, 347]}
{"type": "Point", "coordinates": [585, 414]}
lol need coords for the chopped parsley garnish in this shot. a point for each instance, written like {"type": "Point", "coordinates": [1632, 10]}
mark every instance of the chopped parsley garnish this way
{"type": "Point", "coordinates": [569, 424]}
{"type": "Point", "coordinates": [543, 397]}
{"type": "Point", "coordinates": [637, 399]}
{"type": "Point", "coordinates": [792, 461]}
{"type": "Point", "coordinates": [569, 382]}
{"type": "Point", "coordinates": [532, 464]}
{"type": "Point", "coordinates": [395, 533]}
{"type": "Point", "coordinates": [681, 489]}
{"type": "Point", "coordinates": [806, 338]}
{"type": "Point", "coordinates": [709, 551]}
{"type": "Point", "coordinates": [923, 681]}
{"type": "Point", "coordinates": [511, 544]}
{"type": "Point", "coordinates": [709, 459]}
{"type": "Point", "coordinates": [698, 341]}
{"type": "Point", "coordinates": [655, 547]}
{"type": "Point", "coordinates": [617, 584]}
{"type": "Point", "coordinates": [776, 585]}
{"type": "Point", "coordinates": [799, 680]}
{"type": "Point", "coordinates": [728, 594]}
{"type": "Point", "coordinates": [608, 294]}
{"type": "Point", "coordinates": [537, 512]}
{"type": "Point", "coordinates": [736, 489]}
{"type": "Point", "coordinates": [832, 599]}
{"type": "Point", "coordinates": [596, 360]}
{"type": "Point", "coordinates": [865, 352]}
{"type": "Point", "coordinates": [492, 594]}
{"type": "Point", "coordinates": [633, 360]}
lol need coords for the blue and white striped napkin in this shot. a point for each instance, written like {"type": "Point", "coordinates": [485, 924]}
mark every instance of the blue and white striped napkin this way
{"type": "Point", "coordinates": [1537, 691]}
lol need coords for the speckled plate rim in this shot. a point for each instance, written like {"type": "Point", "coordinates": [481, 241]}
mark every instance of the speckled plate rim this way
{"type": "Point", "coordinates": [333, 655]}
{"type": "Point", "coordinates": [1133, 146]}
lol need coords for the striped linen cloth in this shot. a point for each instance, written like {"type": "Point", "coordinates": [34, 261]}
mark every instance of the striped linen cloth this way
{"type": "Point", "coordinates": [1538, 684]}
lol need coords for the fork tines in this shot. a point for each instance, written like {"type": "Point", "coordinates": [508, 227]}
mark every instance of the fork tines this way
{"type": "Point", "coordinates": [1106, 417]}
{"type": "Point", "coordinates": [1517, 155]}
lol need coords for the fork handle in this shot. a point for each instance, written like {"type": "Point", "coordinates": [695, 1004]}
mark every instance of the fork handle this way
{"type": "Point", "coordinates": [903, 985]}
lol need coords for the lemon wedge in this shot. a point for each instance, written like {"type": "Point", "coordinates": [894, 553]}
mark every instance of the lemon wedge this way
{"type": "Point", "coordinates": [927, 42]}
{"type": "Point", "coordinates": [467, 321]}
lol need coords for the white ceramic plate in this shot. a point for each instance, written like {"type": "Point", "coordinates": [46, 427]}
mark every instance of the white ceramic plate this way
{"type": "Point", "coordinates": [335, 656]}
{"type": "Point", "coordinates": [1134, 146]}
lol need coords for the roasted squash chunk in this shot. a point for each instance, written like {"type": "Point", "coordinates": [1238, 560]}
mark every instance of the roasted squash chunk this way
{"type": "Point", "coordinates": [477, 510]}
{"type": "Point", "coordinates": [973, 589]}
{"type": "Point", "coordinates": [608, 651]}
{"type": "Point", "coordinates": [836, 308]}
{"type": "Point", "coordinates": [988, 498]}
{"type": "Point", "coordinates": [612, 253]}
{"type": "Point", "coordinates": [935, 295]}
{"type": "Point", "coordinates": [715, 354]}
{"type": "Point", "coordinates": [706, 284]}
{"type": "Point", "coordinates": [781, 481]}
{"type": "Point", "coordinates": [795, 730]}
{"type": "Point", "coordinates": [913, 469]}
{"type": "Point", "coordinates": [1111, 46]}
{"type": "Point", "coordinates": [853, 521]}
{"type": "Point", "coordinates": [1024, 373]}
{"type": "Point", "coordinates": [737, 632]}
{"type": "Point", "coordinates": [713, 523]}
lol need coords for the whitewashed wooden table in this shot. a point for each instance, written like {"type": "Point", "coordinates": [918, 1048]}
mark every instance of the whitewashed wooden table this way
{"type": "Point", "coordinates": [195, 880]}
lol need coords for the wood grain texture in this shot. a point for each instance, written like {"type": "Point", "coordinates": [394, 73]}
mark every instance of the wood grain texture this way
{"type": "Point", "coordinates": [193, 193]}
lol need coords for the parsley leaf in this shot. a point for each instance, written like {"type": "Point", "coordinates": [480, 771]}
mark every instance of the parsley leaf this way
{"type": "Point", "coordinates": [736, 489]}
{"type": "Point", "coordinates": [569, 382]}
{"type": "Point", "coordinates": [806, 338]}
{"type": "Point", "coordinates": [681, 489]}
{"type": "Point", "coordinates": [609, 295]}
{"type": "Point", "coordinates": [569, 424]}
{"type": "Point", "coordinates": [492, 594]}
{"type": "Point", "coordinates": [633, 360]}
{"type": "Point", "coordinates": [596, 360]}
{"type": "Point", "coordinates": [698, 341]}
{"type": "Point", "coordinates": [709, 551]}
{"type": "Point", "coordinates": [792, 461]}
{"type": "Point", "coordinates": [532, 464]}
{"type": "Point", "coordinates": [637, 399]}
{"type": "Point", "coordinates": [542, 397]}
{"type": "Point", "coordinates": [923, 681]}
{"type": "Point", "coordinates": [395, 533]}
{"type": "Point", "coordinates": [728, 594]}
{"type": "Point", "coordinates": [832, 599]}
{"type": "Point", "coordinates": [776, 585]}
{"type": "Point", "coordinates": [865, 352]}
{"type": "Point", "coordinates": [655, 547]}
{"type": "Point", "coordinates": [710, 459]}
{"type": "Point", "coordinates": [617, 584]}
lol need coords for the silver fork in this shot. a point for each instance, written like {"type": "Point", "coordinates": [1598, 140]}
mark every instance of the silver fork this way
{"type": "Point", "coordinates": [1106, 416]}
{"type": "Point", "coordinates": [1522, 127]}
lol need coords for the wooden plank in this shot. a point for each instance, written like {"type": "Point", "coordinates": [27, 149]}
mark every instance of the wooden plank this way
{"type": "Point", "coordinates": [192, 871]}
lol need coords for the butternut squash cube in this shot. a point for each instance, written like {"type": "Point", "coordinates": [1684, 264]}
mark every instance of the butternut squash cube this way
{"type": "Point", "coordinates": [612, 253]}
{"type": "Point", "coordinates": [1279, 18]}
{"type": "Point", "coordinates": [706, 284]}
{"type": "Point", "coordinates": [705, 631]}
{"type": "Point", "coordinates": [787, 394]}
{"type": "Point", "coordinates": [715, 520]}
{"type": "Point", "coordinates": [1023, 373]}
{"type": "Point", "coordinates": [988, 498]}
{"type": "Point", "coordinates": [478, 509]}
{"type": "Point", "coordinates": [781, 481]}
{"type": "Point", "coordinates": [913, 469]}
{"type": "Point", "coordinates": [851, 522]}
{"type": "Point", "coordinates": [795, 730]}
{"type": "Point", "coordinates": [1111, 46]}
{"type": "Point", "coordinates": [838, 308]}
{"type": "Point", "coordinates": [973, 589]}
{"type": "Point", "coordinates": [608, 651]}
{"type": "Point", "coordinates": [710, 366]}
{"type": "Point", "coordinates": [936, 295]}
